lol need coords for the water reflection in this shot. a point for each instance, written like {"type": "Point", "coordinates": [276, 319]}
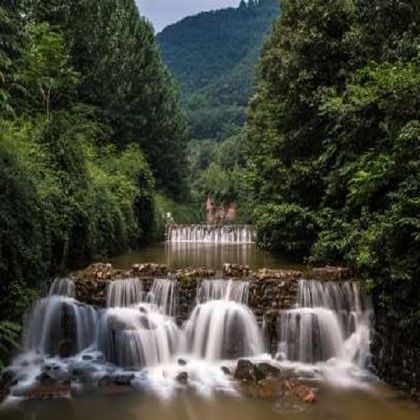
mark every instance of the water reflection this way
{"type": "Point", "coordinates": [182, 255]}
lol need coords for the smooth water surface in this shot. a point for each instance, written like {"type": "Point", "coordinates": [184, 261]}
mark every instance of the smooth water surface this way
{"type": "Point", "coordinates": [182, 255]}
{"type": "Point", "coordinates": [378, 404]}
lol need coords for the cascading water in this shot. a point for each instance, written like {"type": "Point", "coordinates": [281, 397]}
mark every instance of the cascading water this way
{"type": "Point", "coordinates": [163, 294]}
{"type": "Point", "coordinates": [137, 336]}
{"type": "Point", "coordinates": [123, 293]}
{"type": "Point", "coordinates": [227, 290]}
{"type": "Point", "coordinates": [229, 234]}
{"type": "Point", "coordinates": [136, 331]}
{"type": "Point", "coordinates": [330, 320]}
{"type": "Point", "coordinates": [221, 325]}
{"type": "Point", "coordinates": [58, 324]}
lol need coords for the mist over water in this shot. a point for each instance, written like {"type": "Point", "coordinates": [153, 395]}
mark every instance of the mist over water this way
{"type": "Point", "coordinates": [324, 339]}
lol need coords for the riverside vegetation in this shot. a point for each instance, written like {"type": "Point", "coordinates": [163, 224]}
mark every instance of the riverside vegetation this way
{"type": "Point", "coordinates": [333, 136]}
{"type": "Point", "coordinates": [90, 130]}
{"type": "Point", "coordinates": [93, 141]}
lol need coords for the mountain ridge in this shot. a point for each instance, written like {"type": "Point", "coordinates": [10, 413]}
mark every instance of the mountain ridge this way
{"type": "Point", "coordinates": [213, 57]}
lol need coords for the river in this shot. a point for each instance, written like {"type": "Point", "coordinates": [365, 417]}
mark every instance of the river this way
{"type": "Point", "coordinates": [345, 390]}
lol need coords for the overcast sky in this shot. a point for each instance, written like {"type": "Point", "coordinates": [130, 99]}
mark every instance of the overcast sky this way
{"type": "Point", "coordinates": [165, 12]}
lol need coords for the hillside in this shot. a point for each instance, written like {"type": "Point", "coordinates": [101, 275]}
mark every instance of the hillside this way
{"type": "Point", "coordinates": [213, 57]}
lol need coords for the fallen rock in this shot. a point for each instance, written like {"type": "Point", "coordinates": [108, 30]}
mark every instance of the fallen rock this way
{"type": "Point", "coordinates": [268, 370]}
{"type": "Point", "coordinates": [271, 388]}
{"type": "Point", "coordinates": [182, 378]}
{"type": "Point", "coordinates": [247, 371]}
{"type": "Point", "coordinates": [225, 370]}
{"type": "Point", "coordinates": [123, 379]}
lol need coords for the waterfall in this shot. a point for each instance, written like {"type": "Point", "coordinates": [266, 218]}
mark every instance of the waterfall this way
{"type": "Point", "coordinates": [123, 293]}
{"type": "Point", "coordinates": [326, 333]}
{"type": "Point", "coordinates": [58, 324]}
{"type": "Point", "coordinates": [234, 290]}
{"type": "Point", "coordinates": [163, 294]}
{"type": "Point", "coordinates": [223, 329]}
{"type": "Point", "coordinates": [229, 234]}
{"type": "Point", "coordinates": [137, 329]}
{"type": "Point", "coordinates": [137, 336]}
{"type": "Point", "coordinates": [330, 320]}
{"type": "Point", "coordinates": [62, 287]}
{"type": "Point", "coordinates": [221, 325]}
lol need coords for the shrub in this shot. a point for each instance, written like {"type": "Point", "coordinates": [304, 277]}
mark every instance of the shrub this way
{"type": "Point", "coordinates": [286, 228]}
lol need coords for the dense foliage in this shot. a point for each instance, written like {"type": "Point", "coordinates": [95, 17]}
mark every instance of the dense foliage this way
{"type": "Point", "coordinates": [333, 141]}
{"type": "Point", "coordinates": [213, 56]}
{"type": "Point", "coordinates": [89, 119]}
{"type": "Point", "coordinates": [217, 171]}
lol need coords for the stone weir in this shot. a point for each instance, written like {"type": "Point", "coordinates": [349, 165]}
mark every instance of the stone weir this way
{"type": "Point", "coordinates": [270, 291]}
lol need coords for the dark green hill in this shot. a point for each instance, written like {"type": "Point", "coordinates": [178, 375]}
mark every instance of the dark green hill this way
{"type": "Point", "coordinates": [213, 56]}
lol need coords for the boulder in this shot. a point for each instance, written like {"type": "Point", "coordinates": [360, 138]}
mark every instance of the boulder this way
{"type": "Point", "coordinates": [247, 371]}
{"type": "Point", "coordinates": [123, 379]}
{"type": "Point", "coordinates": [225, 370]}
{"type": "Point", "coordinates": [268, 370]}
{"type": "Point", "coordinates": [182, 378]}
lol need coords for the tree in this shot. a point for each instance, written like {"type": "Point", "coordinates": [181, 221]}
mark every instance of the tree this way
{"type": "Point", "coordinates": [45, 68]}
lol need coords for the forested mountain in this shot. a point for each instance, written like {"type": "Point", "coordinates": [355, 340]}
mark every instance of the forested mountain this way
{"type": "Point", "coordinates": [213, 56]}
{"type": "Point", "coordinates": [90, 125]}
{"type": "Point", "coordinates": [333, 144]}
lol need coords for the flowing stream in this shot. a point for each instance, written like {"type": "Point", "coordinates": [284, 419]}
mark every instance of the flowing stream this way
{"type": "Point", "coordinates": [178, 369]}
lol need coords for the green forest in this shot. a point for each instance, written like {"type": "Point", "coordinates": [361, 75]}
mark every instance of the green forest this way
{"type": "Point", "coordinates": [333, 141]}
{"type": "Point", "coordinates": [214, 56]}
{"type": "Point", "coordinates": [92, 139]}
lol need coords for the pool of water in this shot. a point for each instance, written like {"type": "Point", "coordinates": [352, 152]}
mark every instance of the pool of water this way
{"type": "Point", "coordinates": [377, 403]}
{"type": "Point", "coordinates": [182, 255]}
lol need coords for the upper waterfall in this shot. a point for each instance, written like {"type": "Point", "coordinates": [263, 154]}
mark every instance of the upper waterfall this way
{"type": "Point", "coordinates": [227, 234]}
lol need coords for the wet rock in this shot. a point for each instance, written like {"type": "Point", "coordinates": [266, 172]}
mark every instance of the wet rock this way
{"type": "Point", "coordinates": [182, 378]}
{"type": "Point", "coordinates": [87, 357]}
{"type": "Point", "coordinates": [46, 379]}
{"type": "Point", "coordinates": [331, 273]}
{"type": "Point", "coordinates": [300, 391]}
{"type": "Point", "coordinates": [106, 380]}
{"type": "Point", "coordinates": [44, 391]}
{"type": "Point", "coordinates": [247, 371]}
{"type": "Point", "coordinates": [225, 370]}
{"type": "Point", "coordinates": [236, 270]}
{"type": "Point", "coordinates": [123, 379]}
{"type": "Point", "coordinates": [182, 362]}
{"type": "Point", "coordinates": [271, 388]}
{"type": "Point", "coordinates": [66, 349]}
{"type": "Point", "coordinates": [268, 370]}
{"type": "Point", "coordinates": [8, 375]}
